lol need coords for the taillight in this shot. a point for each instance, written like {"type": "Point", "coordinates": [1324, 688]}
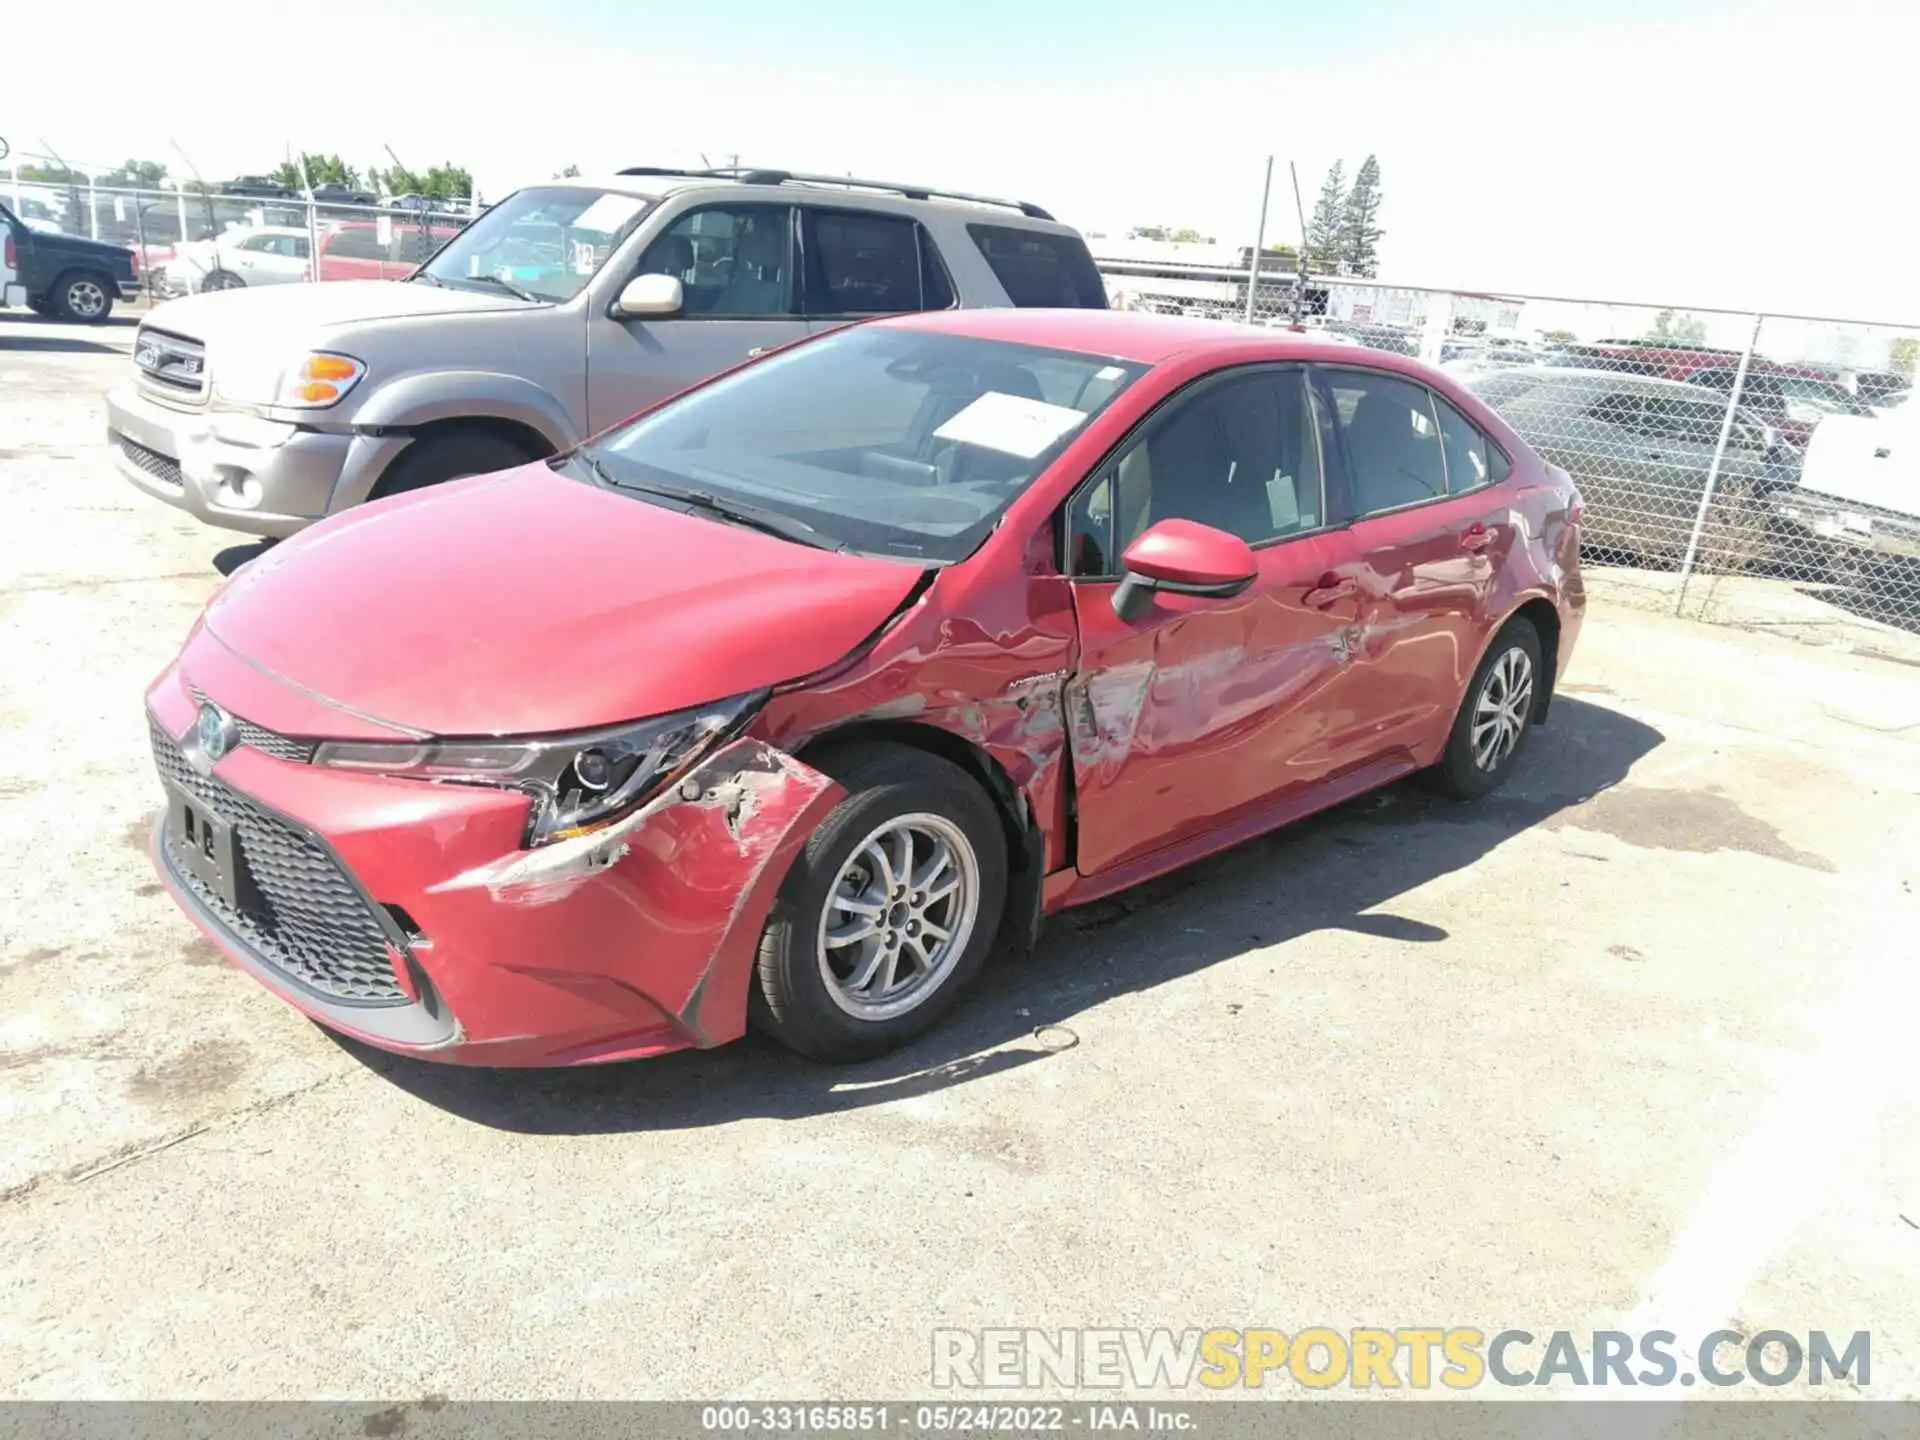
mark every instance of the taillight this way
{"type": "Point", "coordinates": [1577, 509]}
{"type": "Point", "coordinates": [10, 252]}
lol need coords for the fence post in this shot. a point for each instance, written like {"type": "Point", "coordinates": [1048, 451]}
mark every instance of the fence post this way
{"type": "Point", "coordinates": [1719, 455]}
{"type": "Point", "coordinates": [1259, 239]}
{"type": "Point", "coordinates": [93, 212]}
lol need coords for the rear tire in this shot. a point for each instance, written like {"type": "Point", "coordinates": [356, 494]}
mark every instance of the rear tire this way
{"type": "Point", "coordinates": [454, 455]}
{"type": "Point", "coordinates": [83, 296]}
{"type": "Point", "coordinates": [223, 280]}
{"type": "Point", "coordinates": [1495, 717]}
{"type": "Point", "coordinates": [889, 909]}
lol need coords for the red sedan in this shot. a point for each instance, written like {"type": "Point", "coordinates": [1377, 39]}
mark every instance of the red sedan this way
{"type": "Point", "coordinates": [786, 698]}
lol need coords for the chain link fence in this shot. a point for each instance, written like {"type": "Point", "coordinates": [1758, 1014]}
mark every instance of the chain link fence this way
{"type": "Point", "coordinates": [186, 240]}
{"type": "Point", "coordinates": [1714, 449]}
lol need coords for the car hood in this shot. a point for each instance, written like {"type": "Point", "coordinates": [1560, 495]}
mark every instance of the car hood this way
{"type": "Point", "coordinates": [245, 315]}
{"type": "Point", "coordinates": [528, 602]}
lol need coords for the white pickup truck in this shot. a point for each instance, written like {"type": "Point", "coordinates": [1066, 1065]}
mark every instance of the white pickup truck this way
{"type": "Point", "coordinates": [1858, 499]}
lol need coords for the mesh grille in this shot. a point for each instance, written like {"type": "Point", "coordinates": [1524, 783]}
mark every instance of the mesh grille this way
{"type": "Point", "coordinates": [267, 742]}
{"type": "Point", "coordinates": [163, 468]}
{"type": "Point", "coordinates": [300, 912]}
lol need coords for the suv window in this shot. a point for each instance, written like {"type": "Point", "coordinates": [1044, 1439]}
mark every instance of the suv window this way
{"type": "Point", "coordinates": [861, 263]}
{"type": "Point", "coordinates": [1392, 440]}
{"type": "Point", "coordinates": [1038, 269]}
{"type": "Point", "coordinates": [1239, 454]}
{"type": "Point", "coordinates": [733, 260]}
{"type": "Point", "coordinates": [1468, 463]}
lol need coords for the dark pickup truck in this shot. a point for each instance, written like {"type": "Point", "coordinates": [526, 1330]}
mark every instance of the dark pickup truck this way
{"type": "Point", "coordinates": [66, 276]}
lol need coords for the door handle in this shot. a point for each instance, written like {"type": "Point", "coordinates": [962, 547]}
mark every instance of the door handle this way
{"type": "Point", "coordinates": [757, 351]}
{"type": "Point", "coordinates": [1331, 590]}
{"type": "Point", "coordinates": [1476, 537]}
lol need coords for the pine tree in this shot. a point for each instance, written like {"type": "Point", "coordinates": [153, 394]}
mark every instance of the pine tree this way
{"type": "Point", "coordinates": [1323, 230]}
{"type": "Point", "coordinates": [1360, 230]}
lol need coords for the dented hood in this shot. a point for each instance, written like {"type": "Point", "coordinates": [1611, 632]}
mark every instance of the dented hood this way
{"type": "Point", "coordinates": [527, 602]}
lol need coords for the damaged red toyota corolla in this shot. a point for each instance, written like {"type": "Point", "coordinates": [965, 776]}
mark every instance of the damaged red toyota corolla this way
{"type": "Point", "coordinates": [779, 703]}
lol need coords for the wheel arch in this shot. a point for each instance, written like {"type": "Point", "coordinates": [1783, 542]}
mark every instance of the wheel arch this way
{"type": "Point", "coordinates": [1026, 847]}
{"type": "Point", "coordinates": [1539, 612]}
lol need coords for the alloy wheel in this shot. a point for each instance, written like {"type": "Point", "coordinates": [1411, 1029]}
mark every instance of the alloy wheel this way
{"type": "Point", "coordinates": [86, 299]}
{"type": "Point", "coordinates": [899, 916]}
{"type": "Point", "coordinates": [1500, 710]}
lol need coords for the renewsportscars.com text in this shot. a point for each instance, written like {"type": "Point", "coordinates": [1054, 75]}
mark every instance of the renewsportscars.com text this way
{"type": "Point", "coordinates": [1418, 1358]}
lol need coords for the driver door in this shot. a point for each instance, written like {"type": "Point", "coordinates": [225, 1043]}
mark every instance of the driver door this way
{"type": "Point", "coordinates": [738, 266]}
{"type": "Point", "coordinates": [1199, 712]}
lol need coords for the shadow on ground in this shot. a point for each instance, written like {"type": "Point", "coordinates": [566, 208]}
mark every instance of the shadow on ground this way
{"type": "Point", "coordinates": [55, 344]}
{"type": "Point", "coordinates": [1331, 872]}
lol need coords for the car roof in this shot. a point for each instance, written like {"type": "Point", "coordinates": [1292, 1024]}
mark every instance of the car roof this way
{"type": "Point", "coordinates": [1603, 380]}
{"type": "Point", "coordinates": [1143, 338]}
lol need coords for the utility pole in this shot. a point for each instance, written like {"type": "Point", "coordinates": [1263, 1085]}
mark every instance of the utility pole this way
{"type": "Point", "coordinates": [1259, 239]}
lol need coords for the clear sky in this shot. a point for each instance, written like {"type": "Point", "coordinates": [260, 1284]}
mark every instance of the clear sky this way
{"type": "Point", "coordinates": [1692, 152]}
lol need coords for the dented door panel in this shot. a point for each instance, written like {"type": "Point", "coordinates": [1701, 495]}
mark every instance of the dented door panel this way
{"type": "Point", "coordinates": [1202, 708]}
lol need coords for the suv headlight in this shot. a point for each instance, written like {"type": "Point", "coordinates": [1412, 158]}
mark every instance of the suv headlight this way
{"type": "Point", "coordinates": [320, 380]}
{"type": "Point", "coordinates": [579, 783]}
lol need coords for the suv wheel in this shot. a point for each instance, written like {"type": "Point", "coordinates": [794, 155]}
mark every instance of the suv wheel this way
{"type": "Point", "coordinates": [889, 909]}
{"type": "Point", "coordinates": [453, 455]}
{"type": "Point", "coordinates": [81, 296]}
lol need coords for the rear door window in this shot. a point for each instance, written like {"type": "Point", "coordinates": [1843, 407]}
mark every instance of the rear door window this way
{"type": "Point", "coordinates": [1467, 450]}
{"type": "Point", "coordinates": [861, 263]}
{"type": "Point", "coordinates": [1038, 269]}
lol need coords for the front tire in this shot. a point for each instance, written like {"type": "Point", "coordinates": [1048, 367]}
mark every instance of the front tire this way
{"type": "Point", "coordinates": [454, 455]}
{"type": "Point", "coordinates": [1496, 715]}
{"type": "Point", "coordinates": [223, 280]}
{"type": "Point", "coordinates": [83, 297]}
{"type": "Point", "coordinates": [889, 909]}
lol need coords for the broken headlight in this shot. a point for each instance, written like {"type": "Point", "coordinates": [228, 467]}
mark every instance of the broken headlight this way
{"type": "Point", "coordinates": [579, 782]}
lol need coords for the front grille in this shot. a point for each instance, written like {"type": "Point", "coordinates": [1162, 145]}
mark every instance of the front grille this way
{"type": "Point", "coordinates": [169, 363]}
{"type": "Point", "coordinates": [299, 910]}
{"type": "Point", "coordinates": [267, 742]}
{"type": "Point", "coordinates": [163, 468]}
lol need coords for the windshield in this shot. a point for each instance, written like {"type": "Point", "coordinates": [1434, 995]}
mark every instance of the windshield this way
{"type": "Point", "coordinates": [1818, 397]}
{"type": "Point", "coordinates": [885, 441]}
{"type": "Point", "coordinates": [546, 241]}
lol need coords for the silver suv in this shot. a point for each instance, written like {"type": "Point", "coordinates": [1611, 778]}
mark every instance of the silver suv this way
{"type": "Point", "coordinates": [560, 310]}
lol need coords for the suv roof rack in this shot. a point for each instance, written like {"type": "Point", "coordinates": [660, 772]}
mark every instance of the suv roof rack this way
{"type": "Point", "coordinates": [748, 175]}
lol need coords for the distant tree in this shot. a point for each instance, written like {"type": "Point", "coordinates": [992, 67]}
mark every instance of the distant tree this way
{"type": "Point", "coordinates": [1558, 337]}
{"type": "Point", "coordinates": [1190, 236]}
{"type": "Point", "coordinates": [1325, 252]}
{"type": "Point", "coordinates": [442, 182]}
{"type": "Point", "coordinates": [572, 172]}
{"type": "Point", "coordinates": [1904, 355]}
{"type": "Point", "coordinates": [135, 175]}
{"type": "Point", "coordinates": [1360, 230]}
{"type": "Point", "coordinates": [1681, 329]}
{"type": "Point", "coordinates": [323, 169]}
{"type": "Point", "coordinates": [1148, 232]}
{"type": "Point", "coordinates": [52, 175]}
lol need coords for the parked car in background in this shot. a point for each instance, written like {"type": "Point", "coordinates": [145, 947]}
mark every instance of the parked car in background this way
{"type": "Point", "coordinates": [343, 195]}
{"type": "Point", "coordinates": [801, 690]}
{"type": "Point", "coordinates": [1792, 399]}
{"type": "Point", "coordinates": [1856, 508]}
{"type": "Point", "coordinates": [266, 255]}
{"type": "Point", "coordinates": [561, 310]}
{"type": "Point", "coordinates": [1640, 449]}
{"type": "Point", "coordinates": [66, 277]}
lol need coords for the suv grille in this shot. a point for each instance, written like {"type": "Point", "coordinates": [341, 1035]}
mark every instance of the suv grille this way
{"type": "Point", "coordinates": [267, 742]}
{"type": "Point", "coordinates": [163, 468]}
{"type": "Point", "coordinates": [170, 364]}
{"type": "Point", "coordinates": [302, 913]}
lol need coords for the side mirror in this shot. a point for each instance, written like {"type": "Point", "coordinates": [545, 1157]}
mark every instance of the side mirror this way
{"type": "Point", "coordinates": [1183, 557]}
{"type": "Point", "coordinates": [654, 295]}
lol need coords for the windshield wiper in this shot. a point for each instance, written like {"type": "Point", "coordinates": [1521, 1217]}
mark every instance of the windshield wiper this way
{"type": "Point", "coordinates": [431, 279]}
{"type": "Point", "coordinates": [735, 512]}
{"type": "Point", "coordinates": [506, 285]}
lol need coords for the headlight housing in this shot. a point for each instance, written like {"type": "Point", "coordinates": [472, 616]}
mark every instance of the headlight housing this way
{"type": "Point", "coordinates": [319, 380]}
{"type": "Point", "coordinates": [579, 783]}
{"type": "Point", "coordinates": [262, 375]}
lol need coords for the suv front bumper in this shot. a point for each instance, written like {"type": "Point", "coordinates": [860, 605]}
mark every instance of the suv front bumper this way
{"type": "Point", "coordinates": [1848, 525]}
{"type": "Point", "coordinates": [260, 477]}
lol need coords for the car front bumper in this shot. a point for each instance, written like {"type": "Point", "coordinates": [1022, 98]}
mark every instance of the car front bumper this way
{"type": "Point", "coordinates": [260, 477]}
{"type": "Point", "coordinates": [636, 941]}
